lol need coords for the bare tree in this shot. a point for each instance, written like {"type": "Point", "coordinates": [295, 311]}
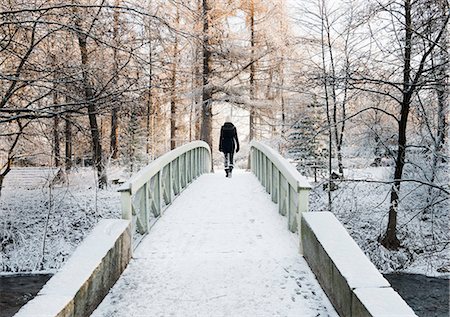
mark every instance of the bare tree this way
{"type": "Point", "coordinates": [417, 47]}
{"type": "Point", "coordinates": [92, 109]}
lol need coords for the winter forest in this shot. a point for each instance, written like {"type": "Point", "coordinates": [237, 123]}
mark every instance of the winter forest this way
{"type": "Point", "coordinates": [353, 92]}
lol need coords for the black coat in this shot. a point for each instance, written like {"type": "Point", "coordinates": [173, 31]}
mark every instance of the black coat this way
{"type": "Point", "coordinates": [228, 138]}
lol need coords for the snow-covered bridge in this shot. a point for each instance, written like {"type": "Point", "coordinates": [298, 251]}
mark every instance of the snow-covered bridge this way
{"type": "Point", "coordinates": [221, 249]}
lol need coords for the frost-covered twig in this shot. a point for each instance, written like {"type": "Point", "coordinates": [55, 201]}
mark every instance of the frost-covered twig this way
{"type": "Point", "coordinates": [40, 263]}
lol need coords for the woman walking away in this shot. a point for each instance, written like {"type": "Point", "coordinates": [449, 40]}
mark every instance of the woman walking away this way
{"type": "Point", "coordinates": [228, 144]}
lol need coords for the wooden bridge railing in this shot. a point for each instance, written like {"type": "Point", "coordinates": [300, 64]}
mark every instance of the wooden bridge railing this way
{"type": "Point", "coordinates": [282, 181]}
{"type": "Point", "coordinates": [149, 192]}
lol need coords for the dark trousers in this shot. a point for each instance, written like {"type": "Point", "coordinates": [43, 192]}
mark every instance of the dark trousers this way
{"type": "Point", "coordinates": [228, 162]}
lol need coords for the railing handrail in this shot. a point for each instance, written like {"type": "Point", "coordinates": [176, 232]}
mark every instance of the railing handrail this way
{"type": "Point", "coordinates": [286, 186]}
{"type": "Point", "coordinates": [150, 191]}
{"type": "Point", "coordinates": [291, 174]}
{"type": "Point", "coordinates": [140, 178]}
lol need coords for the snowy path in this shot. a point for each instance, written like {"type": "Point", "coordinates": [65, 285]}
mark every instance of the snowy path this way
{"type": "Point", "coordinates": [221, 249]}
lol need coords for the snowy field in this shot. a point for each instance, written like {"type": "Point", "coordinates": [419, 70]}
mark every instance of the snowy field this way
{"type": "Point", "coordinates": [72, 210]}
{"type": "Point", "coordinates": [221, 249]}
{"type": "Point", "coordinates": [362, 207]}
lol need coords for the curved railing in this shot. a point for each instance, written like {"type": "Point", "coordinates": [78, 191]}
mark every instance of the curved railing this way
{"type": "Point", "coordinates": [152, 189]}
{"type": "Point", "coordinates": [282, 181]}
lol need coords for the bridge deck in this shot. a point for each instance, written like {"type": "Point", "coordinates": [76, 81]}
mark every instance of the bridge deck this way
{"type": "Point", "coordinates": [221, 249]}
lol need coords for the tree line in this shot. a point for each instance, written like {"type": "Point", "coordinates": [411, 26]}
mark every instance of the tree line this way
{"type": "Point", "coordinates": [117, 67]}
{"type": "Point", "coordinates": [125, 81]}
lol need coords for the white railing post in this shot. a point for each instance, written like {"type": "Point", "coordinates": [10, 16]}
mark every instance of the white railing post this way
{"type": "Point", "coordinates": [200, 161]}
{"type": "Point", "coordinates": [275, 189]}
{"type": "Point", "coordinates": [142, 214]}
{"type": "Point", "coordinates": [157, 195]}
{"type": "Point", "coordinates": [194, 164]}
{"type": "Point", "coordinates": [160, 192]}
{"type": "Point", "coordinates": [126, 205]}
{"type": "Point", "coordinates": [208, 165]}
{"type": "Point", "coordinates": [180, 177]}
{"type": "Point", "coordinates": [269, 178]}
{"type": "Point", "coordinates": [252, 160]}
{"type": "Point", "coordinates": [292, 220]}
{"type": "Point", "coordinates": [284, 201]}
{"type": "Point", "coordinates": [303, 206]}
{"type": "Point", "coordinates": [188, 168]}
{"type": "Point", "coordinates": [288, 205]}
{"type": "Point", "coordinates": [170, 182]}
{"type": "Point", "coordinates": [260, 166]}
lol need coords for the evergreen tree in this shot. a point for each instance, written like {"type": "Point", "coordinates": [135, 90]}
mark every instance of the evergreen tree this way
{"type": "Point", "coordinates": [134, 139]}
{"type": "Point", "coordinates": [305, 146]}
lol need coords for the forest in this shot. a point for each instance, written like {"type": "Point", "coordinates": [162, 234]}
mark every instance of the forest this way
{"type": "Point", "coordinates": [334, 86]}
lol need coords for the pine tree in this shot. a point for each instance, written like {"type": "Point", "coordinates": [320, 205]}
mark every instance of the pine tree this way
{"type": "Point", "coordinates": [134, 140]}
{"type": "Point", "coordinates": [305, 146]}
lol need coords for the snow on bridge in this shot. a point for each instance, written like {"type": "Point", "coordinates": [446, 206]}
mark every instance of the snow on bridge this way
{"type": "Point", "coordinates": [220, 249]}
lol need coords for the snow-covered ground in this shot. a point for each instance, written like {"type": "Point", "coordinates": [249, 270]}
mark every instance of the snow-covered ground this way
{"type": "Point", "coordinates": [362, 207]}
{"type": "Point", "coordinates": [221, 249]}
{"type": "Point", "coordinates": [73, 209]}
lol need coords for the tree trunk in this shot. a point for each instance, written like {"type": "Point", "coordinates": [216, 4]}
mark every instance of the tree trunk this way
{"type": "Point", "coordinates": [173, 114]}
{"type": "Point", "coordinates": [440, 71]}
{"type": "Point", "coordinates": [337, 135]}
{"type": "Point", "coordinates": [56, 143]}
{"type": "Point", "coordinates": [1, 184]}
{"type": "Point", "coordinates": [282, 101]}
{"type": "Point", "coordinates": [442, 114]}
{"type": "Point", "coordinates": [327, 104]}
{"type": "Point", "coordinates": [252, 115]}
{"type": "Point", "coordinates": [206, 115]}
{"type": "Point", "coordinates": [173, 92]}
{"type": "Point", "coordinates": [442, 89]}
{"type": "Point", "coordinates": [148, 147]}
{"type": "Point", "coordinates": [68, 141]}
{"type": "Point", "coordinates": [390, 240]}
{"type": "Point", "coordinates": [92, 112]}
{"type": "Point", "coordinates": [114, 132]}
{"type": "Point", "coordinates": [68, 144]}
{"type": "Point", "coordinates": [133, 130]}
{"type": "Point", "coordinates": [149, 95]}
{"type": "Point", "coordinates": [7, 169]}
{"type": "Point", "coordinates": [115, 102]}
{"type": "Point", "coordinates": [197, 82]}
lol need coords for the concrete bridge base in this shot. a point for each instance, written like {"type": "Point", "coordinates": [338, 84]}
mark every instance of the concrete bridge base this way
{"type": "Point", "coordinates": [82, 283]}
{"type": "Point", "coordinates": [353, 284]}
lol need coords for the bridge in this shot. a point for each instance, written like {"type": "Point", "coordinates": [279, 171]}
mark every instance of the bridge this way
{"type": "Point", "coordinates": [194, 243]}
{"type": "Point", "coordinates": [215, 254]}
